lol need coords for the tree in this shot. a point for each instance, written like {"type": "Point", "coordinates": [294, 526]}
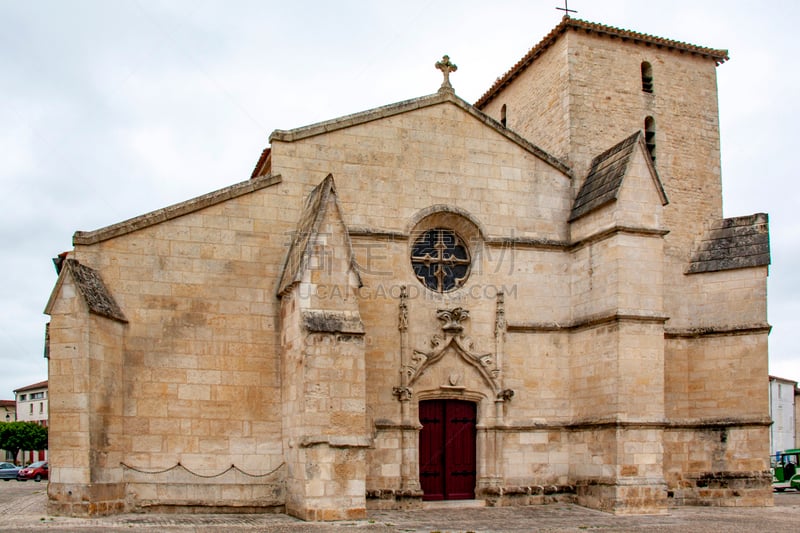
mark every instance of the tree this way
{"type": "Point", "coordinates": [16, 436]}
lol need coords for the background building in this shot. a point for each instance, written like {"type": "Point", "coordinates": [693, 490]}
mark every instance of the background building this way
{"type": "Point", "coordinates": [8, 413]}
{"type": "Point", "coordinates": [783, 394]}
{"type": "Point", "coordinates": [8, 410]}
{"type": "Point", "coordinates": [32, 406]}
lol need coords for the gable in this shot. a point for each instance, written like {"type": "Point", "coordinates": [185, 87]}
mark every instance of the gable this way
{"type": "Point", "coordinates": [90, 287]}
{"type": "Point", "coordinates": [604, 181]}
{"type": "Point", "coordinates": [407, 106]}
{"type": "Point", "coordinates": [320, 205]}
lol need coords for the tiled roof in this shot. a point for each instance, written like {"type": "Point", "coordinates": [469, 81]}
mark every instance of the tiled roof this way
{"type": "Point", "coordinates": [568, 23]}
{"type": "Point", "coordinates": [264, 164]}
{"type": "Point", "coordinates": [730, 243]}
{"type": "Point", "coordinates": [8, 403]}
{"type": "Point", "coordinates": [40, 385]}
{"type": "Point", "coordinates": [602, 184]}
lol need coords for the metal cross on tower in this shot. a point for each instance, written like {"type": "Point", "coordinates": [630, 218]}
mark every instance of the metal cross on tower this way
{"type": "Point", "coordinates": [566, 9]}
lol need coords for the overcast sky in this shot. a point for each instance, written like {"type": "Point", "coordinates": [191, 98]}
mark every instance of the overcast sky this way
{"type": "Point", "coordinates": [111, 109]}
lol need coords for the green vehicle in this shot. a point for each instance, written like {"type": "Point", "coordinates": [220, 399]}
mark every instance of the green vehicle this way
{"type": "Point", "coordinates": [786, 470]}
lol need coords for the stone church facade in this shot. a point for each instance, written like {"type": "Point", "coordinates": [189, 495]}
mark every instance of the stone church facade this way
{"type": "Point", "coordinates": [528, 299]}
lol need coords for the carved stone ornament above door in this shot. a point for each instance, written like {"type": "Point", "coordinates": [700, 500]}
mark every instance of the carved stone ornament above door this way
{"type": "Point", "coordinates": [464, 346]}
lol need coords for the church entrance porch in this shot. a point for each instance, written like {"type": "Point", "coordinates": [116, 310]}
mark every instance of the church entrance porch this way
{"type": "Point", "coordinates": [447, 449]}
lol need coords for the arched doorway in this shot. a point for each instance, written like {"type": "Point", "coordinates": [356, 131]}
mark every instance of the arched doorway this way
{"type": "Point", "coordinates": [447, 449]}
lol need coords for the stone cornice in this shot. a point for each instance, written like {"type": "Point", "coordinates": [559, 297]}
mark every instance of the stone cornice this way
{"type": "Point", "coordinates": [520, 242]}
{"type": "Point", "coordinates": [378, 234]}
{"type": "Point", "coordinates": [610, 423]}
{"type": "Point", "coordinates": [614, 230]}
{"type": "Point", "coordinates": [716, 331]}
{"type": "Point", "coordinates": [585, 322]}
{"type": "Point", "coordinates": [174, 211]}
{"type": "Point", "coordinates": [669, 333]}
{"type": "Point", "coordinates": [334, 441]}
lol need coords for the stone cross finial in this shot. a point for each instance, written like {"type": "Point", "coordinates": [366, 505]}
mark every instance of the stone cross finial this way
{"type": "Point", "coordinates": [446, 66]}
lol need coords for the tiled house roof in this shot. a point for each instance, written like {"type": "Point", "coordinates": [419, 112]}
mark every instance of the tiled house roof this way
{"type": "Point", "coordinates": [39, 385]}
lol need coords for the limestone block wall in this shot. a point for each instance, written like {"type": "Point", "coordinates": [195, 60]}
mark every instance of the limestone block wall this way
{"type": "Point", "coordinates": [539, 373]}
{"type": "Point", "coordinates": [606, 81]}
{"type": "Point", "coordinates": [640, 269]}
{"type": "Point", "coordinates": [605, 103]}
{"type": "Point", "coordinates": [704, 377]}
{"type": "Point", "coordinates": [326, 449]}
{"type": "Point", "coordinates": [638, 205]}
{"type": "Point", "coordinates": [728, 299]}
{"type": "Point", "coordinates": [201, 385]}
{"type": "Point", "coordinates": [536, 457]}
{"type": "Point", "coordinates": [384, 460]}
{"type": "Point", "coordinates": [641, 371]}
{"type": "Point", "coordinates": [433, 155]}
{"type": "Point", "coordinates": [618, 468]}
{"type": "Point", "coordinates": [106, 423]}
{"type": "Point", "coordinates": [86, 406]}
{"type": "Point", "coordinates": [723, 465]}
{"type": "Point", "coordinates": [594, 371]}
{"type": "Point", "coordinates": [538, 103]}
{"type": "Point", "coordinates": [620, 274]}
{"type": "Point", "coordinates": [69, 430]}
{"type": "Point", "coordinates": [717, 450]}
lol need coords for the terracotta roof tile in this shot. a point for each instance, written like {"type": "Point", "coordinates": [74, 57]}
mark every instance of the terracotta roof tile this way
{"type": "Point", "coordinates": [568, 23]}
{"type": "Point", "coordinates": [39, 385]}
{"type": "Point", "coordinates": [264, 164]}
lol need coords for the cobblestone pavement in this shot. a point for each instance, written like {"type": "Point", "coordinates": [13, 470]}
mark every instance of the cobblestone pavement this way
{"type": "Point", "coordinates": [22, 508]}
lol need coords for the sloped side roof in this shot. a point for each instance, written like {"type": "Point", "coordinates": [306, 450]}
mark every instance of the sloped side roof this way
{"type": "Point", "coordinates": [174, 211]}
{"type": "Point", "coordinates": [94, 292]}
{"type": "Point", "coordinates": [313, 214]}
{"type": "Point", "coordinates": [603, 182]}
{"type": "Point", "coordinates": [568, 23]}
{"type": "Point", "coordinates": [730, 243]}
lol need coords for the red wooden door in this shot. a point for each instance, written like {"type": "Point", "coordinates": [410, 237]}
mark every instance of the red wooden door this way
{"type": "Point", "coordinates": [447, 449]}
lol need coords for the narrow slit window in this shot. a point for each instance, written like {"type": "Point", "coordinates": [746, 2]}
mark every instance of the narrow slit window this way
{"type": "Point", "coordinates": [650, 136]}
{"type": "Point", "coordinates": [503, 115]}
{"type": "Point", "coordinates": [647, 77]}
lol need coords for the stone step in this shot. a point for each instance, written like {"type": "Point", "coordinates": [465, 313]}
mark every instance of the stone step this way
{"type": "Point", "coordinates": [454, 504]}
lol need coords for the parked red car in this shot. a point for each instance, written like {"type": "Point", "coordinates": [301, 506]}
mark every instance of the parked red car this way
{"type": "Point", "coordinates": [34, 471]}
